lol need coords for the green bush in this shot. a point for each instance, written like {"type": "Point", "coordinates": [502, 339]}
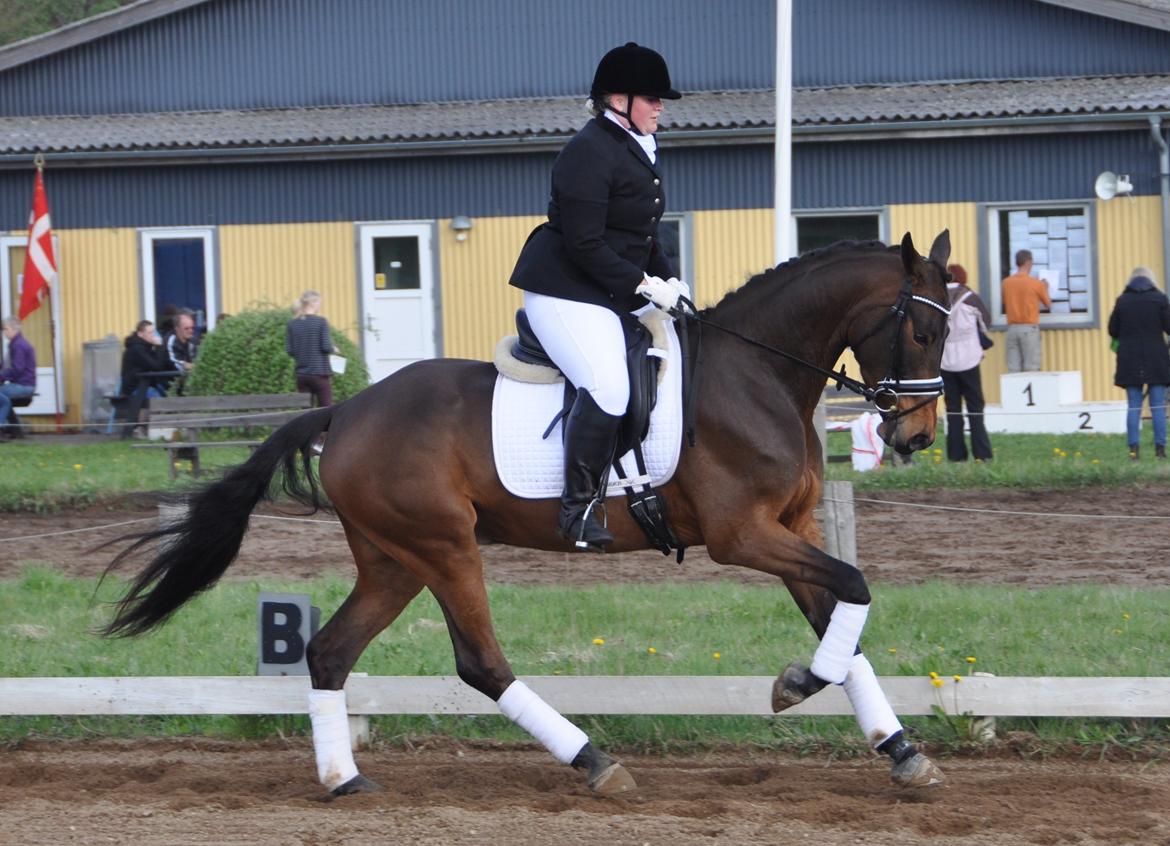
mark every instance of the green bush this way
{"type": "Point", "coordinates": [245, 355]}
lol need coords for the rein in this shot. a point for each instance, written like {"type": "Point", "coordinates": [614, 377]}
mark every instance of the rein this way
{"type": "Point", "coordinates": [884, 395]}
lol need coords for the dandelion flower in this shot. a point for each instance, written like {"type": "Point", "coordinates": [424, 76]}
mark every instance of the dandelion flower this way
{"type": "Point", "coordinates": [716, 655]}
{"type": "Point", "coordinates": [599, 641]}
{"type": "Point", "coordinates": [937, 682]}
{"type": "Point", "coordinates": [1117, 631]}
{"type": "Point", "coordinates": [651, 650]}
{"type": "Point", "coordinates": [1125, 615]}
{"type": "Point", "coordinates": [957, 679]}
{"type": "Point", "coordinates": [970, 659]}
{"type": "Point", "coordinates": [933, 674]}
{"type": "Point", "coordinates": [76, 466]}
{"type": "Point", "coordinates": [893, 650]}
{"type": "Point", "coordinates": [1096, 461]}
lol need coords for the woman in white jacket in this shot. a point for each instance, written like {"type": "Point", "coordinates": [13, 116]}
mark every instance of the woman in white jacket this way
{"type": "Point", "coordinates": [960, 369]}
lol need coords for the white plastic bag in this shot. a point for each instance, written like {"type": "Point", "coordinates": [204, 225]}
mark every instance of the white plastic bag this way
{"type": "Point", "coordinates": [337, 363]}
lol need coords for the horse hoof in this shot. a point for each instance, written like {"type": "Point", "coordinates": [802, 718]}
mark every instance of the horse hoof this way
{"type": "Point", "coordinates": [916, 771]}
{"type": "Point", "coordinates": [794, 685]}
{"type": "Point", "coordinates": [358, 784]}
{"type": "Point", "coordinates": [613, 780]}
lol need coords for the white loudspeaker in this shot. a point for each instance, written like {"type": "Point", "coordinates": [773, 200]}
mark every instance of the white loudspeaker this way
{"type": "Point", "coordinates": [1110, 185]}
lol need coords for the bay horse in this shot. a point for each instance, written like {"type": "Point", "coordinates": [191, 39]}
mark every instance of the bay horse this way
{"type": "Point", "coordinates": [408, 470]}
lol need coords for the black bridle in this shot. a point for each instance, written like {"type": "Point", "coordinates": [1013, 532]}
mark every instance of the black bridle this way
{"type": "Point", "coordinates": [888, 391]}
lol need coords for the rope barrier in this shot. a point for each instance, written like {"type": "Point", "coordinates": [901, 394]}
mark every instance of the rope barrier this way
{"type": "Point", "coordinates": [1003, 512]}
{"type": "Point", "coordinates": [168, 423]}
{"type": "Point", "coordinates": [996, 511]}
{"type": "Point", "coordinates": [75, 531]}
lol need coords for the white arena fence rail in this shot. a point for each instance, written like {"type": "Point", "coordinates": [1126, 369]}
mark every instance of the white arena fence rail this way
{"type": "Point", "coordinates": [982, 696]}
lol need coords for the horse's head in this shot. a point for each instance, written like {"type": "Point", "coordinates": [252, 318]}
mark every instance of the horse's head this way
{"type": "Point", "coordinates": [899, 345]}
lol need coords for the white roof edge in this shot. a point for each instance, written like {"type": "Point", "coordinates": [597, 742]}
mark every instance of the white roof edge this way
{"type": "Point", "coordinates": [89, 29]}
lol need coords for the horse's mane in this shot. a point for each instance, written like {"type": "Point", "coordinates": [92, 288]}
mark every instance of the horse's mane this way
{"type": "Point", "coordinates": [785, 272]}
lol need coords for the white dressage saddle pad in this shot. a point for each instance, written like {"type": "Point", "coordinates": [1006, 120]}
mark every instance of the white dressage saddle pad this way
{"type": "Point", "coordinates": [533, 468]}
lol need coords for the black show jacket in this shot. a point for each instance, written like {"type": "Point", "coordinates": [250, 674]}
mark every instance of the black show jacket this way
{"type": "Point", "coordinates": [601, 237]}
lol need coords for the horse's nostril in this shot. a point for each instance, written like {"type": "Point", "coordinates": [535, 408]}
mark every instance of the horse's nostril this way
{"type": "Point", "coordinates": [920, 441]}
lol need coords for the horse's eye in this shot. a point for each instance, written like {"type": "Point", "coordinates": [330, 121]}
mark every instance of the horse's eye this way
{"type": "Point", "coordinates": [921, 339]}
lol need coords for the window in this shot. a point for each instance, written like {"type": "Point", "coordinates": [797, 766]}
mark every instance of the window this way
{"type": "Point", "coordinates": [672, 235]}
{"type": "Point", "coordinates": [817, 230]}
{"type": "Point", "coordinates": [1060, 239]}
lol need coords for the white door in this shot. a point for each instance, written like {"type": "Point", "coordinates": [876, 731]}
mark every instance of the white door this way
{"type": "Point", "coordinates": [397, 279]}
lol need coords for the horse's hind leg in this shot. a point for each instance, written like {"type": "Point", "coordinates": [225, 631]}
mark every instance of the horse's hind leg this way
{"type": "Point", "coordinates": [877, 719]}
{"type": "Point", "coordinates": [480, 662]}
{"type": "Point", "coordinates": [383, 589]}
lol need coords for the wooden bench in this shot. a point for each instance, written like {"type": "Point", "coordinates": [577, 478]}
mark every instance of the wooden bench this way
{"type": "Point", "coordinates": [192, 415]}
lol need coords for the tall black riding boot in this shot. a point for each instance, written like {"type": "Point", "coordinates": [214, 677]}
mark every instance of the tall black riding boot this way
{"type": "Point", "coordinates": [590, 439]}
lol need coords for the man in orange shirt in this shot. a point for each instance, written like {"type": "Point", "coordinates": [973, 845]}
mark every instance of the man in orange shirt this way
{"type": "Point", "coordinates": [1022, 297]}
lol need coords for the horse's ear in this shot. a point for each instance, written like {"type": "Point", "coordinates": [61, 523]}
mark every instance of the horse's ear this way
{"type": "Point", "coordinates": [940, 250]}
{"type": "Point", "coordinates": [909, 255]}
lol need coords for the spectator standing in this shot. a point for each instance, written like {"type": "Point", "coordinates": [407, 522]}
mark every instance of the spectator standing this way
{"type": "Point", "coordinates": [307, 340]}
{"type": "Point", "coordinates": [1023, 294]}
{"type": "Point", "coordinates": [19, 379]}
{"type": "Point", "coordinates": [1140, 322]}
{"type": "Point", "coordinates": [962, 382]}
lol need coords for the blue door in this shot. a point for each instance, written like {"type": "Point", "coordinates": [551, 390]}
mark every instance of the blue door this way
{"type": "Point", "coordinates": [180, 277]}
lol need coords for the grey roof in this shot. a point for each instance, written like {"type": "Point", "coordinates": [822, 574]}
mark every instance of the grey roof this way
{"type": "Point", "coordinates": [1151, 13]}
{"type": "Point", "coordinates": [534, 120]}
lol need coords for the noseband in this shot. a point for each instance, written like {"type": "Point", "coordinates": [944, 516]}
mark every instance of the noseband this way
{"type": "Point", "coordinates": [888, 391]}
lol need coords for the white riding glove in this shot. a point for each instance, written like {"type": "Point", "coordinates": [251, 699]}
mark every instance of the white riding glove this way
{"type": "Point", "coordinates": [684, 290]}
{"type": "Point", "coordinates": [658, 291]}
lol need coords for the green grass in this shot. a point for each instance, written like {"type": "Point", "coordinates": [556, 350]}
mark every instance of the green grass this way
{"type": "Point", "coordinates": [42, 476]}
{"type": "Point", "coordinates": [48, 622]}
{"type": "Point", "coordinates": [1021, 461]}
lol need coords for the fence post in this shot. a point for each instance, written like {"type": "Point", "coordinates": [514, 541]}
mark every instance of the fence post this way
{"type": "Point", "coordinates": [839, 525]}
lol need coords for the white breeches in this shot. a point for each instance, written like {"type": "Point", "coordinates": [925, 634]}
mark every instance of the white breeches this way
{"type": "Point", "coordinates": [586, 342]}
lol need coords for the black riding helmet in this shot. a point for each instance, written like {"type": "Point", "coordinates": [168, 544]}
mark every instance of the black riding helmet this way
{"type": "Point", "coordinates": [632, 69]}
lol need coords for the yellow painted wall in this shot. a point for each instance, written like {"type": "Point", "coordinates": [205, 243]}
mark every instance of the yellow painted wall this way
{"type": "Point", "coordinates": [729, 248]}
{"type": "Point", "coordinates": [479, 306]}
{"type": "Point", "coordinates": [275, 263]}
{"type": "Point", "coordinates": [98, 293]}
{"type": "Point", "coordinates": [1129, 235]}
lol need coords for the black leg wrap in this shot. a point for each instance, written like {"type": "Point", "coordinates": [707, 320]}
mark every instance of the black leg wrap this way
{"type": "Point", "coordinates": [897, 747]}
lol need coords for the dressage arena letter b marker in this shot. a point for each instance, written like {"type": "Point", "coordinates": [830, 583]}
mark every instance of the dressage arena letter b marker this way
{"type": "Point", "coordinates": [285, 629]}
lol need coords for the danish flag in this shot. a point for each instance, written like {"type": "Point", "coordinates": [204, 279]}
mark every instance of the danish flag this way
{"type": "Point", "coordinates": [40, 265]}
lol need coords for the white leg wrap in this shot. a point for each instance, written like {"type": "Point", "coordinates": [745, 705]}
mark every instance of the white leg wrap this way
{"type": "Point", "coordinates": [874, 714]}
{"type": "Point", "coordinates": [527, 710]}
{"type": "Point", "coordinates": [832, 659]}
{"type": "Point", "coordinates": [330, 721]}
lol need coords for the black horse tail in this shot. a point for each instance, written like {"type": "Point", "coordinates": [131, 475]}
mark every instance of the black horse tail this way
{"type": "Point", "coordinates": [194, 552]}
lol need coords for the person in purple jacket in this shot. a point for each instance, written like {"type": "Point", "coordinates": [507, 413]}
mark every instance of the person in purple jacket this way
{"type": "Point", "coordinates": [19, 378]}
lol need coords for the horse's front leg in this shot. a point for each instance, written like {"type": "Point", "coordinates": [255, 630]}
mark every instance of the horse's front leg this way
{"type": "Point", "coordinates": [834, 598]}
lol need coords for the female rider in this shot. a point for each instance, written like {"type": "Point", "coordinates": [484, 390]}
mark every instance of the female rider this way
{"type": "Point", "coordinates": [599, 255]}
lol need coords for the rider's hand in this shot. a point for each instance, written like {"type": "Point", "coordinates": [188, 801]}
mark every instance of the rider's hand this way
{"type": "Point", "coordinates": [684, 290]}
{"type": "Point", "coordinates": [658, 291]}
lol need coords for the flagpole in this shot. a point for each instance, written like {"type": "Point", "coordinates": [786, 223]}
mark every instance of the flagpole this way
{"type": "Point", "coordinates": [39, 162]}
